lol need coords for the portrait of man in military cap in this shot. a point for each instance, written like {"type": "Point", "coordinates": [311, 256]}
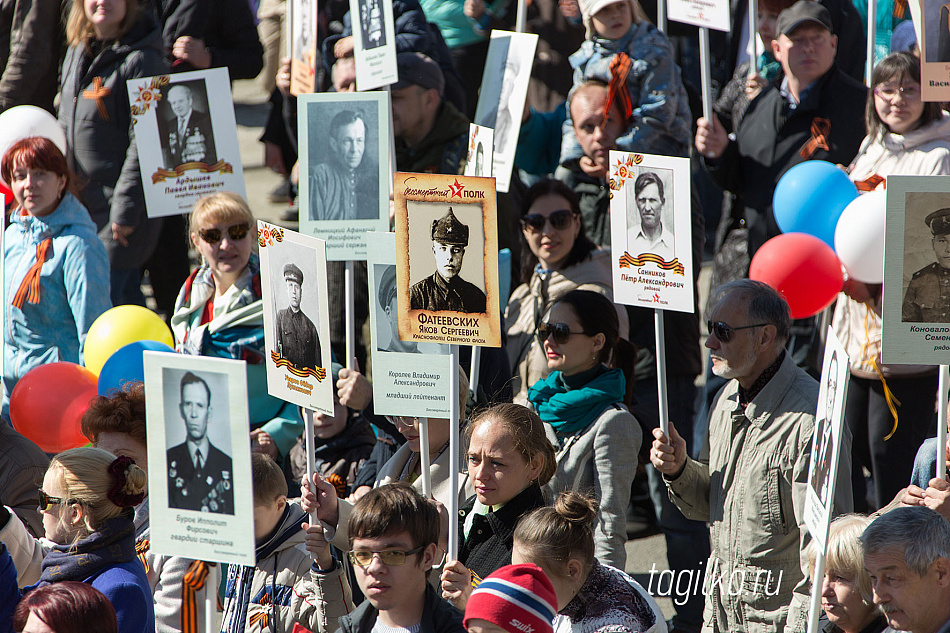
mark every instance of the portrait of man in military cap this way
{"type": "Point", "coordinates": [297, 339]}
{"type": "Point", "coordinates": [927, 298]}
{"type": "Point", "coordinates": [445, 290]}
{"type": "Point", "coordinates": [385, 275]}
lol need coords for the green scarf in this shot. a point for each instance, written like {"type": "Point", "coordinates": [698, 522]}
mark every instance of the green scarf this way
{"type": "Point", "coordinates": [569, 410]}
{"type": "Point", "coordinates": [768, 66]}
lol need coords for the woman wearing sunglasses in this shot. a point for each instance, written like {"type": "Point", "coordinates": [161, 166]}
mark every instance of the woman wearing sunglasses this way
{"type": "Point", "coordinates": [56, 276]}
{"type": "Point", "coordinates": [556, 257]}
{"type": "Point", "coordinates": [220, 312]}
{"type": "Point", "coordinates": [86, 501]}
{"type": "Point", "coordinates": [909, 137]}
{"type": "Point", "coordinates": [584, 402]}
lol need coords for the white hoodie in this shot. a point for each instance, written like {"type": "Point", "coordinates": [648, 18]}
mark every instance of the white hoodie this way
{"type": "Point", "coordinates": [921, 152]}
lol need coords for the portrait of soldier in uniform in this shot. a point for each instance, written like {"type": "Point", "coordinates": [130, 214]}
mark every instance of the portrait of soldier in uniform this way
{"type": "Point", "coordinates": [820, 477]}
{"type": "Point", "coordinates": [943, 35]}
{"type": "Point", "coordinates": [297, 339]}
{"type": "Point", "coordinates": [371, 24]}
{"type": "Point", "coordinates": [927, 299]}
{"type": "Point", "coordinates": [346, 186]}
{"type": "Point", "coordinates": [649, 234]}
{"type": "Point", "coordinates": [385, 275]}
{"type": "Point", "coordinates": [187, 136]}
{"type": "Point", "coordinates": [445, 290]}
{"type": "Point", "coordinates": [199, 473]}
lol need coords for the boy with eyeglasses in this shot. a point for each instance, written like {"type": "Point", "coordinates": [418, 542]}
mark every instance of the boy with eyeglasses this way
{"type": "Point", "coordinates": [393, 538]}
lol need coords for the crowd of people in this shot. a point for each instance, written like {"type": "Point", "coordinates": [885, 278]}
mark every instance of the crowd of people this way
{"type": "Point", "coordinates": [562, 428]}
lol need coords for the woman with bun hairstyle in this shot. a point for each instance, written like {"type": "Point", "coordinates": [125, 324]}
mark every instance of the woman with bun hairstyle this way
{"type": "Point", "coordinates": [509, 459]}
{"type": "Point", "coordinates": [86, 501]}
{"type": "Point", "coordinates": [65, 607]}
{"type": "Point", "coordinates": [591, 597]}
{"type": "Point", "coordinates": [583, 401]}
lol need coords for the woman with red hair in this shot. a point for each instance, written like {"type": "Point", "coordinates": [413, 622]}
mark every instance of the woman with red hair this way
{"type": "Point", "coordinates": [56, 271]}
{"type": "Point", "coordinates": [65, 607]}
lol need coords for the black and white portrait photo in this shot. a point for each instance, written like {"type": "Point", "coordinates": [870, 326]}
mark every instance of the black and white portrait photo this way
{"type": "Point", "coordinates": [387, 320]}
{"type": "Point", "coordinates": [927, 258]}
{"type": "Point", "coordinates": [304, 29]}
{"type": "Point", "coordinates": [446, 237]}
{"type": "Point", "coordinates": [296, 336]}
{"type": "Point", "coordinates": [478, 160]}
{"type": "Point", "coordinates": [650, 214]}
{"type": "Point", "coordinates": [824, 448]}
{"type": "Point", "coordinates": [200, 474]}
{"type": "Point", "coordinates": [185, 130]}
{"type": "Point", "coordinates": [372, 25]}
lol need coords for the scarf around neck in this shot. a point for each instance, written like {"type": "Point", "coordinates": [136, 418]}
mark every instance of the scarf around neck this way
{"type": "Point", "coordinates": [113, 543]}
{"type": "Point", "coordinates": [572, 410]}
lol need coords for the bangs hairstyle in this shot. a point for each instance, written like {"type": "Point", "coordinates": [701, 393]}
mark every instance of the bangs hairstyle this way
{"type": "Point", "coordinates": [79, 29]}
{"type": "Point", "coordinates": [896, 66]}
{"type": "Point", "coordinates": [267, 480]}
{"type": "Point", "coordinates": [525, 433]}
{"type": "Point", "coordinates": [120, 412]}
{"type": "Point", "coordinates": [583, 246]}
{"type": "Point", "coordinates": [845, 554]}
{"type": "Point", "coordinates": [37, 152]}
{"type": "Point", "coordinates": [392, 509]}
{"type": "Point", "coordinates": [553, 535]}
{"type": "Point", "coordinates": [67, 607]}
{"type": "Point", "coordinates": [223, 207]}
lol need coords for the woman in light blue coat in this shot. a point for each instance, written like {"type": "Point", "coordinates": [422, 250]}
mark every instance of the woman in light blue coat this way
{"type": "Point", "coordinates": [56, 271]}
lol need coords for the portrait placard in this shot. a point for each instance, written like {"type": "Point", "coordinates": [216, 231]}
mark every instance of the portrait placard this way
{"type": "Point", "coordinates": [374, 43]}
{"type": "Point", "coordinates": [186, 138]}
{"type": "Point", "coordinates": [409, 378]}
{"type": "Point", "coordinates": [480, 150]}
{"type": "Point", "coordinates": [930, 16]}
{"type": "Point", "coordinates": [826, 439]}
{"type": "Point", "coordinates": [916, 308]}
{"type": "Point", "coordinates": [199, 458]}
{"type": "Point", "coordinates": [344, 183]}
{"type": "Point", "coordinates": [302, 17]}
{"type": "Point", "coordinates": [296, 317]}
{"type": "Point", "coordinates": [650, 230]}
{"type": "Point", "coordinates": [712, 14]}
{"type": "Point", "coordinates": [443, 295]}
{"type": "Point", "coordinates": [502, 96]}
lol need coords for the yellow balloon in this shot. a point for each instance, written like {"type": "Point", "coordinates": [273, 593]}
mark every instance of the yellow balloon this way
{"type": "Point", "coordinates": [118, 327]}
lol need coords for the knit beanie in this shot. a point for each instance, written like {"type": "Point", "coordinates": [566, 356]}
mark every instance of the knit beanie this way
{"type": "Point", "coordinates": [591, 7]}
{"type": "Point", "coordinates": [518, 598]}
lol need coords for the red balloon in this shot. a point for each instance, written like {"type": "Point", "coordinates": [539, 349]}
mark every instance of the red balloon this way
{"type": "Point", "coordinates": [7, 194]}
{"type": "Point", "coordinates": [48, 403]}
{"type": "Point", "coordinates": [802, 268]}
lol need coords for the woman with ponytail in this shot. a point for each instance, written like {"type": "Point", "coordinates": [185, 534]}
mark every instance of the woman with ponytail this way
{"type": "Point", "coordinates": [584, 401]}
{"type": "Point", "coordinates": [591, 597]}
{"type": "Point", "coordinates": [86, 501]}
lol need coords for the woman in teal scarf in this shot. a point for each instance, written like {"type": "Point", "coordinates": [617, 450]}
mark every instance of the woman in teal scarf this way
{"type": "Point", "coordinates": [583, 403]}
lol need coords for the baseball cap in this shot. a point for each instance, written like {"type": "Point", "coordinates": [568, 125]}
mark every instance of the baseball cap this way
{"type": "Point", "coordinates": [801, 12]}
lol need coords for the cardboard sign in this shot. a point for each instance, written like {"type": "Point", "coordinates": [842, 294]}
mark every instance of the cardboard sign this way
{"type": "Point", "coordinates": [374, 43]}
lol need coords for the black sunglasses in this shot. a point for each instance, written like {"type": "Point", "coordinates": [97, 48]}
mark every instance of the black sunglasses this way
{"type": "Point", "coordinates": [236, 232]}
{"type": "Point", "coordinates": [560, 331]}
{"type": "Point", "coordinates": [560, 220]}
{"type": "Point", "coordinates": [47, 500]}
{"type": "Point", "coordinates": [390, 557]}
{"type": "Point", "coordinates": [724, 332]}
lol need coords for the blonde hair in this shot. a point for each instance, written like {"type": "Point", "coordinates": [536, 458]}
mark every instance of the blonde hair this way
{"type": "Point", "coordinates": [222, 207]}
{"type": "Point", "coordinates": [83, 476]}
{"type": "Point", "coordinates": [267, 480]}
{"type": "Point", "coordinates": [553, 535]}
{"type": "Point", "coordinates": [844, 554]}
{"type": "Point", "coordinates": [79, 29]}
{"type": "Point", "coordinates": [525, 434]}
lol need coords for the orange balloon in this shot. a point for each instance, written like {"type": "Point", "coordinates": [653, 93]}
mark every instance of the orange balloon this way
{"type": "Point", "coordinates": [48, 403]}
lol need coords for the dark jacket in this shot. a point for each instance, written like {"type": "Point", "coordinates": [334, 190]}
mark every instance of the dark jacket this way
{"type": "Point", "coordinates": [208, 490]}
{"type": "Point", "coordinates": [489, 542]}
{"type": "Point", "coordinates": [771, 135]}
{"type": "Point", "coordinates": [31, 44]}
{"type": "Point", "coordinates": [438, 616]}
{"type": "Point", "coordinates": [444, 148]}
{"type": "Point", "coordinates": [101, 144]}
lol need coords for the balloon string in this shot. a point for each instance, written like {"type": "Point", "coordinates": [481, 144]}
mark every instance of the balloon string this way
{"type": "Point", "coordinates": [889, 397]}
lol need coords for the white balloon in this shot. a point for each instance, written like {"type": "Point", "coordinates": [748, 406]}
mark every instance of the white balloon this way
{"type": "Point", "coordinates": [26, 121]}
{"type": "Point", "coordinates": [859, 237]}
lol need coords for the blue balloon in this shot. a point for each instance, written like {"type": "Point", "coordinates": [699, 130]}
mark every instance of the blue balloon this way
{"type": "Point", "coordinates": [126, 365]}
{"type": "Point", "coordinates": [810, 198]}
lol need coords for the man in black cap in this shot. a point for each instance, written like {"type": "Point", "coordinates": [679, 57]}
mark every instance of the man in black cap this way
{"type": "Point", "coordinates": [297, 337]}
{"type": "Point", "coordinates": [444, 289]}
{"type": "Point", "coordinates": [927, 299]}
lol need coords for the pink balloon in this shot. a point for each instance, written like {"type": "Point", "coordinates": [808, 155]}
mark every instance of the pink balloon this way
{"type": "Point", "coordinates": [802, 268]}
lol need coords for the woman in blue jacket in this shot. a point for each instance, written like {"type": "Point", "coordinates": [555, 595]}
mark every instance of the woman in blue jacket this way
{"type": "Point", "coordinates": [56, 273]}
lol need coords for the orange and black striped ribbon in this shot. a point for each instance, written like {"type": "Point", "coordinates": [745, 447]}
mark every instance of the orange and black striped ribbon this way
{"type": "Point", "coordinates": [900, 9]}
{"type": "Point", "coordinates": [870, 183]}
{"type": "Point", "coordinates": [29, 289]}
{"type": "Point", "coordinates": [193, 581]}
{"type": "Point", "coordinates": [820, 129]}
{"type": "Point", "coordinates": [97, 94]}
{"type": "Point", "coordinates": [619, 69]}
{"type": "Point", "coordinates": [674, 265]}
{"type": "Point", "coordinates": [141, 549]}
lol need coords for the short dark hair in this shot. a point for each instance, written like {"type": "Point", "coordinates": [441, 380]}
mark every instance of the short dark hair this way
{"type": "Point", "coordinates": [344, 117]}
{"type": "Point", "coordinates": [122, 411]}
{"type": "Point", "coordinates": [648, 178]}
{"type": "Point", "coordinates": [68, 607]}
{"type": "Point", "coordinates": [895, 66]}
{"type": "Point", "coordinates": [583, 245]}
{"type": "Point", "coordinates": [391, 509]}
{"type": "Point", "coordinates": [193, 379]}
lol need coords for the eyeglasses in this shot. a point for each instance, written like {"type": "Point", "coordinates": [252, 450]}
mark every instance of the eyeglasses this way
{"type": "Point", "coordinates": [236, 232]}
{"type": "Point", "coordinates": [889, 92]}
{"type": "Point", "coordinates": [724, 332]}
{"type": "Point", "coordinates": [390, 557]}
{"type": "Point", "coordinates": [560, 220]}
{"type": "Point", "coordinates": [560, 331]}
{"type": "Point", "coordinates": [47, 500]}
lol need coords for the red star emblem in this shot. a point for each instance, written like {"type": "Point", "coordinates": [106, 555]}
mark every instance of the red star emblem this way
{"type": "Point", "coordinates": [456, 189]}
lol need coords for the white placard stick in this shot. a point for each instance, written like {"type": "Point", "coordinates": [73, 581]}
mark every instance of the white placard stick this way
{"type": "Point", "coordinates": [350, 320]}
{"type": "Point", "coordinates": [311, 462]}
{"type": "Point", "coordinates": [661, 15]}
{"type": "Point", "coordinates": [453, 548]}
{"type": "Point", "coordinates": [521, 18]}
{"type": "Point", "coordinates": [943, 384]}
{"type": "Point", "coordinates": [753, 37]}
{"type": "Point", "coordinates": [288, 33]}
{"type": "Point", "coordinates": [475, 370]}
{"type": "Point", "coordinates": [661, 371]}
{"type": "Point", "coordinates": [814, 610]}
{"type": "Point", "coordinates": [211, 597]}
{"type": "Point", "coordinates": [872, 34]}
{"type": "Point", "coordinates": [392, 141]}
{"type": "Point", "coordinates": [704, 73]}
{"type": "Point", "coordinates": [424, 458]}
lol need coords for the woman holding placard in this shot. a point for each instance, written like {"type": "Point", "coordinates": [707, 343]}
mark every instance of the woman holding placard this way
{"type": "Point", "coordinates": [556, 257]}
{"type": "Point", "coordinates": [906, 136]}
{"type": "Point", "coordinates": [583, 402]}
{"type": "Point", "coordinates": [110, 43]}
{"type": "Point", "coordinates": [220, 312]}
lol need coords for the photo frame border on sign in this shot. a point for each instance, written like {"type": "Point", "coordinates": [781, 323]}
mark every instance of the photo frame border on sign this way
{"type": "Point", "coordinates": [302, 73]}
{"type": "Point", "coordinates": [345, 238]}
{"type": "Point", "coordinates": [934, 75]}
{"type": "Point", "coordinates": [456, 328]}
{"type": "Point", "coordinates": [667, 285]}
{"type": "Point", "coordinates": [171, 190]}
{"type": "Point", "coordinates": [308, 388]}
{"type": "Point", "coordinates": [193, 533]}
{"type": "Point", "coordinates": [375, 67]}
{"type": "Point", "coordinates": [479, 136]}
